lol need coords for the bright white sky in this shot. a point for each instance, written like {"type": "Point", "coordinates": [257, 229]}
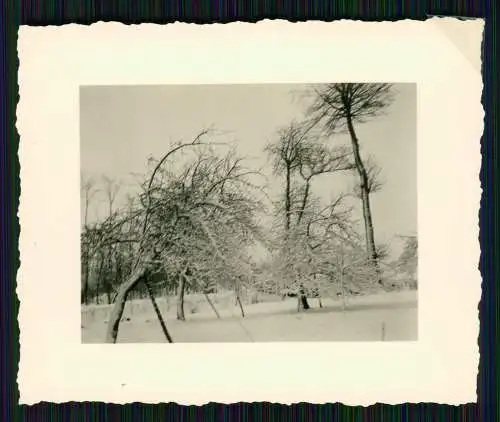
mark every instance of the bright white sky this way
{"type": "Point", "coordinates": [121, 127]}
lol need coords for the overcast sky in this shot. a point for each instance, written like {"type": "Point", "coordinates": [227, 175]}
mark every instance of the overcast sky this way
{"type": "Point", "coordinates": [120, 127]}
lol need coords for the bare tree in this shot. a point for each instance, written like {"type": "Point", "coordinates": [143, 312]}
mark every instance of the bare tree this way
{"type": "Point", "coordinates": [286, 153]}
{"type": "Point", "coordinates": [299, 153]}
{"type": "Point", "coordinates": [317, 240]}
{"type": "Point", "coordinates": [339, 106]}
{"type": "Point", "coordinates": [111, 189]}
{"type": "Point", "coordinates": [87, 190]}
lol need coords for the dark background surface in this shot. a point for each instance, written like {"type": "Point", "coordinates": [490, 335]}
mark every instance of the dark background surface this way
{"type": "Point", "coordinates": [42, 13]}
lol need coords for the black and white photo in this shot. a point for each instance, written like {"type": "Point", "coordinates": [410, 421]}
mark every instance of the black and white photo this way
{"type": "Point", "coordinates": [249, 213]}
{"type": "Point", "coordinates": [222, 202]}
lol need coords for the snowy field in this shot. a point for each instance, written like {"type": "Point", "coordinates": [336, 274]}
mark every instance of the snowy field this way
{"type": "Point", "coordinates": [382, 317]}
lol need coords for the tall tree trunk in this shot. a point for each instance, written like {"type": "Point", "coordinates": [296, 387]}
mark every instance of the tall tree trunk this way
{"type": "Point", "coordinates": [85, 298]}
{"type": "Point", "coordinates": [120, 300]}
{"type": "Point", "coordinates": [365, 198]}
{"type": "Point", "coordinates": [99, 278]}
{"type": "Point", "coordinates": [108, 283]}
{"type": "Point", "coordinates": [180, 298]}
{"type": "Point", "coordinates": [288, 202]}
{"type": "Point", "coordinates": [85, 289]}
{"type": "Point", "coordinates": [304, 200]}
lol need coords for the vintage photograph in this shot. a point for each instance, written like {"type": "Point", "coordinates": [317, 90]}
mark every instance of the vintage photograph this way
{"type": "Point", "coordinates": [249, 213]}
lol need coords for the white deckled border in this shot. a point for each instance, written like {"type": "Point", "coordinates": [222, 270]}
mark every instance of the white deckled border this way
{"type": "Point", "coordinates": [440, 367]}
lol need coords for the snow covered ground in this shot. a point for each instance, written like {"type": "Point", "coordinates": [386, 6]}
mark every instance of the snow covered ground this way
{"type": "Point", "coordinates": [386, 316]}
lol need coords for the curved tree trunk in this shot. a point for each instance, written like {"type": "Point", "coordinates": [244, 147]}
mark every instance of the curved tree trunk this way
{"type": "Point", "coordinates": [180, 298]}
{"type": "Point", "coordinates": [120, 300]}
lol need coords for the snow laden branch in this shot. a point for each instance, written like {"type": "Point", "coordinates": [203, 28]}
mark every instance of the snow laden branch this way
{"type": "Point", "coordinates": [300, 154]}
{"type": "Point", "coordinates": [184, 215]}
